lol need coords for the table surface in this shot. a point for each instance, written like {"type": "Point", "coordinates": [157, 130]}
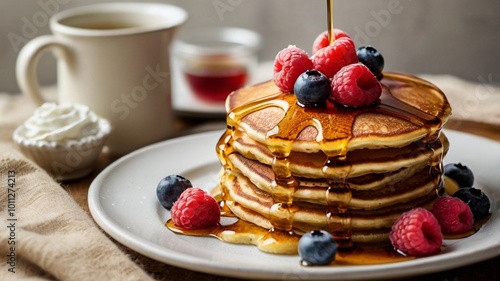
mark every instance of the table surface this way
{"type": "Point", "coordinates": [486, 270]}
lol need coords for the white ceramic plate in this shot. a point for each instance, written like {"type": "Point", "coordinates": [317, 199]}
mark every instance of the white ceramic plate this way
{"type": "Point", "coordinates": [122, 200]}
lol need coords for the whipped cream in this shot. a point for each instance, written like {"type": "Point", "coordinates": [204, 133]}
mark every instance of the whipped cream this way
{"type": "Point", "coordinates": [53, 122]}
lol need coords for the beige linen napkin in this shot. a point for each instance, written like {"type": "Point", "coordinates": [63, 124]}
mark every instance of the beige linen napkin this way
{"type": "Point", "coordinates": [54, 238]}
{"type": "Point", "coordinates": [477, 101]}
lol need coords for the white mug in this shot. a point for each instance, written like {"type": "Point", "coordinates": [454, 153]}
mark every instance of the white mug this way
{"type": "Point", "coordinates": [114, 58]}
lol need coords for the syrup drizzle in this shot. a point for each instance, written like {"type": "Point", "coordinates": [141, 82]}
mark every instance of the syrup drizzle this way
{"type": "Point", "coordinates": [331, 34]}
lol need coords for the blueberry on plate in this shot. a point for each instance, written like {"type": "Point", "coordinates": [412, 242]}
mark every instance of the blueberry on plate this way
{"type": "Point", "coordinates": [170, 188]}
{"type": "Point", "coordinates": [478, 202]}
{"type": "Point", "coordinates": [460, 173]}
{"type": "Point", "coordinates": [317, 247]}
{"type": "Point", "coordinates": [312, 89]}
{"type": "Point", "coordinates": [373, 59]}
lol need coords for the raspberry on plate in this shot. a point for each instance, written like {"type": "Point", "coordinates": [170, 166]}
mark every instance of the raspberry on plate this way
{"type": "Point", "coordinates": [454, 215]}
{"type": "Point", "coordinates": [289, 64]}
{"type": "Point", "coordinates": [332, 58]}
{"type": "Point", "coordinates": [355, 86]}
{"type": "Point", "coordinates": [323, 39]}
{"type": "Point", "coordinates": [195, 209]}
{"type": "Point", "coordinates": [417, 232]}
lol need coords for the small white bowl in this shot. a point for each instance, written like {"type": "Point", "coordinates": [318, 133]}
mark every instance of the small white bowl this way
{"type": "Point", "coordinates": [67, 160]}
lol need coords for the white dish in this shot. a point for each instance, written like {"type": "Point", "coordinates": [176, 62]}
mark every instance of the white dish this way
{"type": "Point", "coordinates": [122, 200]}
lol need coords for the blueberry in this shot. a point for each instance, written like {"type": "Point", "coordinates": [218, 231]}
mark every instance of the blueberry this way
{"type": "Point", "coordinates": [461, 174]}
{"type": "Point", "coordinates": [373, 59]}
{"type": "Point", "coordinates": [478, 202]}
{"type": "Point", "coordinates": [312, 89]}
{"type": "Point", "coordinates": [170, 188]}
{"type": "Point", "coordinates": [317, 247]}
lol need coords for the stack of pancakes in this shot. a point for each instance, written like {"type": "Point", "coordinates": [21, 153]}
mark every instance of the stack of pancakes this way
{"type": "Point", "coordinates": [351, 171]}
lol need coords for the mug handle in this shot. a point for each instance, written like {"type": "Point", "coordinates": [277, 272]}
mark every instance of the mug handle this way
{"type": "Point", "coordinates": [27, 62]}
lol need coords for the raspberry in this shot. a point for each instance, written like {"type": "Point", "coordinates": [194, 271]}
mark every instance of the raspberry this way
{"type": "Point", "coordinates": [288, 65]}
{"type": "Point", "coordinates": [454, 215]}
{"type": "Point", "coordinates": [323, 40]}
{"type": "Point", "coordinates": [195, 209]}
{"type": "Point", "coordinates": [417, 232]}
{"type": "Point", "coordinates": [332, 58]}
{"type": "Point", "coordinates": [355, 86]}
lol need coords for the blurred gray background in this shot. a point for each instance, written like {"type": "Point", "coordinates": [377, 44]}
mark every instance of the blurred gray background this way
{"type": "Point", "coordinates": [457, 37]}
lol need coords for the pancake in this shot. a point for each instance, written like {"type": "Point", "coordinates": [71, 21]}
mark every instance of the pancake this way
{"type": "Point", "coordinates": [411, 109]}
{"type": "Point", "coordinates": [351, 171]}
{"type": "Point", "coordinates": [362, 161]}
{"type": "Point", "coordinates": [254, 205]}
{"type": "Point", "coordinates": [420, 183]}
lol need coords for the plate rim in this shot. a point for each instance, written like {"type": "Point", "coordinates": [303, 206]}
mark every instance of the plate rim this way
{"type": "Point", "coordinates": [182, 260]}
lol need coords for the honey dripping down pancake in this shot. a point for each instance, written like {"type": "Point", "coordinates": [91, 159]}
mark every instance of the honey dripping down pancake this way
{"type": "Point", "coordinates": [309, 169]}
